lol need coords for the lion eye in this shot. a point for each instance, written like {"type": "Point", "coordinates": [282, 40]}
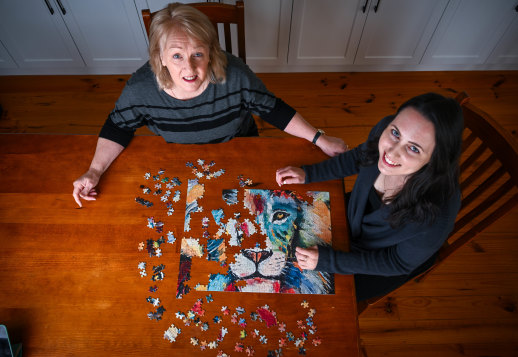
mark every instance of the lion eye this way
{"type": "Point", "coordinates": [279, 217]}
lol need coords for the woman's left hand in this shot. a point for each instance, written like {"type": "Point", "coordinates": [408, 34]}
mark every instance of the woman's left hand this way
{"type": "Point", "coordinates": [331, 145]}
{"type": "Point", "coordinates": [307, 257]}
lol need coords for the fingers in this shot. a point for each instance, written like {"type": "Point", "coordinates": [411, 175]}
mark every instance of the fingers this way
{"type": "Point", "coordinates": [332, 146]}
{"type": "Point", "coordinates": [89, 196]}
{"type": "Point", "coordinates": [76, 196]}
{"type": "Point", "coordinates": [307, 258]}
{"type": "Point", "coordinates": [83, 189]}
{"type": "Point", "coordinates": [290, 175]}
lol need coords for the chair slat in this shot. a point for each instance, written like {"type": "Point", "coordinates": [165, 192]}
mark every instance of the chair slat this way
{"type": "Point", "coordinates": [483, 206]}
{"type": "Point", "coordinates": [228, 37]}
{"type": "Point", "coordinates": [468, 141]}
{"type": "Point", "coordinates": [473, 157]}
{"type": "Point", "coordinates": [480, 226]}
{"type": "Point", "coordinates": [483, 187]}
{"type": "Point", "coordinates": [478, 172]}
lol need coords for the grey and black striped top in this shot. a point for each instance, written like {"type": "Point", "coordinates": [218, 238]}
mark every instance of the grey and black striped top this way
{"type": "Point", "coordinates": [221, 112]}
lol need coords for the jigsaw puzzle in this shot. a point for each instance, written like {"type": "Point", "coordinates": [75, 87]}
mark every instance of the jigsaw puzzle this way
{"type": "Point", "coordinates": [247, 246]}
{"type": "Point", "coordinates": [258, 253]}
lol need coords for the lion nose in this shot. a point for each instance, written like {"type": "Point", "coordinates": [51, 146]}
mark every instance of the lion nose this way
{"type": "Point", "coordinates": [257, 256]}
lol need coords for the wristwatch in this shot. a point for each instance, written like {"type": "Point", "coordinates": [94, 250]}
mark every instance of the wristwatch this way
{"type": "Point", "coordinates": [317, 135]}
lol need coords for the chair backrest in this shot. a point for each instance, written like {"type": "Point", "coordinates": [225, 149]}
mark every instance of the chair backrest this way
{"type": "Point", "coordinates": [488, 181]}
{"type": "Point", "coordinates": [489, 176]}
{"type": "Point", "coordinates": [218, 14]}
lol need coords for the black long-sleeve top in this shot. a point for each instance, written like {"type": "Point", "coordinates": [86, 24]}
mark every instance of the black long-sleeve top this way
{"type": "Point", "coordinates": [375, 247]}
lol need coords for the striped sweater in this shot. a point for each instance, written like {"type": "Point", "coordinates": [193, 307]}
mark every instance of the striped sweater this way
{"type": "Point", "coordinates": [221, 112]}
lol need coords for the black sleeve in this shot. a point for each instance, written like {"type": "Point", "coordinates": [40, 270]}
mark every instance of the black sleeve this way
{"type": "Point", "coordinates": [114, 133]}
{"type": "Point", "coordinates": [345, 164]}
{"type": "Point", "coordinates": [280, 115]}
{"type": "Point", "coordinates": [337, 167]}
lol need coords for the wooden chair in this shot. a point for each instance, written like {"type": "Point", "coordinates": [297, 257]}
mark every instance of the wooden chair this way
{"type": "Point", "coordinates": [488, 182]}
{"type": "Point", "coordinates": [218, 14]}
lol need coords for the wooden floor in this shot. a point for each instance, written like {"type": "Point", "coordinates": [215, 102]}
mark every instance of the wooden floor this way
{"type": "Point", "coordinates": [467, 307]}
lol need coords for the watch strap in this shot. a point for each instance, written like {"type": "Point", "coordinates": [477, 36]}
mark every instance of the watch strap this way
{"type": "Point", "coordinates": [317, 135]}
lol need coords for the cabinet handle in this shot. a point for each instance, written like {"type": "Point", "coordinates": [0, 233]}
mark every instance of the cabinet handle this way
{"type": "Point", "coordinates": [51, 10]}
{"type": "Point", "coordinates": [63, 10]}
{"type": "Point", "coordinates": [364, 7]}
{"type": "Point", "coordinates": [375, 7]}
{"type": "Point", "coordinates": [516, 8]}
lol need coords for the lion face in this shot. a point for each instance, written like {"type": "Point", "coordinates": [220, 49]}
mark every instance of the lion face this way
{"type": "Point", "coordinates": [280, 214]}
{"type": "Point", "coordinates": [286, 220]}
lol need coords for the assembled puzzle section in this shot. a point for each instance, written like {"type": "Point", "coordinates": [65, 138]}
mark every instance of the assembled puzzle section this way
{"type": "Point", "coordinates": [250, 247]}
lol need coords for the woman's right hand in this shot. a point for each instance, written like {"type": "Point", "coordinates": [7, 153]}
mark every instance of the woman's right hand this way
{"type": "Point", "coordinates": [84, 187]}
{"type": "Point", "coordinates": [290, 175]}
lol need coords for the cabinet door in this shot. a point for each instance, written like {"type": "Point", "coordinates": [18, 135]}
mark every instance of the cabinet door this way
{"type": "Point", "coordinates": [506, 52]}
{"type": "Point", "coordinates": [36, 36]}
{"type": "Point", "coordinates": [469, 31]}
{"type": "Point", "coordinates": [321, 31]}
{"type": "Point", "coordinates": [107, 33]}
{"type": "Point", "coordinates": [267, 32]}
{"type": "Point", "coordinates": [398, 31]}
{"type": "Point", "coordinates": [6, 60]}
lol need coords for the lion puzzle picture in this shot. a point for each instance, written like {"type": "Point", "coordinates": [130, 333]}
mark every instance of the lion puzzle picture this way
{"type": "Point", "coordinates": [250, 245]}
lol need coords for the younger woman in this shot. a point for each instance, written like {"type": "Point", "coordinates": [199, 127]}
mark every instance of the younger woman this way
{"type": "Point", "coordinates": [405, 199]}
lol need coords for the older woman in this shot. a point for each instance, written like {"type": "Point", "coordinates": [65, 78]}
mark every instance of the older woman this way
{"type": "Point", "coordinates": [405, 199]}
{"type": "Point", "coordinates": [191, 92]}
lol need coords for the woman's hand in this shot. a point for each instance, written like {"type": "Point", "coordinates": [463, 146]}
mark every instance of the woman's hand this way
{"type": "Point", "coordinates": [290, 175]}
{"type": "Point", "coordinates": [307, 257]}
{"type": "Point", "coordinates": [105, 152]}
{"type": "Point", "coordinates": [84, 187]}
{"type": "Point", "coordinates": [331, 145]}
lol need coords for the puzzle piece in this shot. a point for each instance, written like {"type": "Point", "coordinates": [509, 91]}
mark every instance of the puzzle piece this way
{"type": "Point", "coordinates": [172, 333]}
{"type": "Point", "coordinates": [143, 202]}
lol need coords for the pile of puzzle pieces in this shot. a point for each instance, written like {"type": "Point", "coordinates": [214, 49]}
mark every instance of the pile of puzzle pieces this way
{"type": "Point", "coordinates": [251, 329]}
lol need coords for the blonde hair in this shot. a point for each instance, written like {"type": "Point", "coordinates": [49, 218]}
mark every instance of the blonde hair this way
{"type": "Point", "coordinates": [195, 25]}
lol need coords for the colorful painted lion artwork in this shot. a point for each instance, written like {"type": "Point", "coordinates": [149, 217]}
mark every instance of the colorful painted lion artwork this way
{"type": "Point", "coordinates": [285, 221]}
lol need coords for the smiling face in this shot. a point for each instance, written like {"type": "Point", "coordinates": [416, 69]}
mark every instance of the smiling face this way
{"type": "Point", "coordinates": [407, 144]}
{"type": "Point", "coordinates": [187, 61]}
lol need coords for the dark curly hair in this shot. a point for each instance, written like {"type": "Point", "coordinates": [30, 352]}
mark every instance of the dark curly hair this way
{"type": "Point", "coordinates": [428, 189]}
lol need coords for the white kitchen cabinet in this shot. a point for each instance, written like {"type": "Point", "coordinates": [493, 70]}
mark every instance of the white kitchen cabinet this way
{"type": "Point", "coordinates": [108, 37]}
{"type": "Point", "coordinates": [74, 34]}
{"type": "Point", "coordinates": [506, 51]}
{"type": "Point", "coordinates": [321, 32]}
{"type": "Point", "coordinates": [6, 60]}
{"type": "Point", "coordinates": [267, 32]}
{"type": "Point", "coordinates": [36, 35]}
{"type": "Point", "coordinates": [364, 32]}
{"type": "Point", "coordinates": [397, 31]}
{"type": "Point", "coordinates": [469, 31]}
{"type": "Point", "coordinates": [107, 33]}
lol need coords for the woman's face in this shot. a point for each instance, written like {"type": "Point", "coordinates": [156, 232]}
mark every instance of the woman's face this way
{"type": "Point", "coordinates": [187, 61]}
{"type": "Point", "coordinates": [407, 144]}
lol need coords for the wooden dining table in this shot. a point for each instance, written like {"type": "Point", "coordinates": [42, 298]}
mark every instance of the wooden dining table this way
{"type": "Point", "coordinates": [71, 281]}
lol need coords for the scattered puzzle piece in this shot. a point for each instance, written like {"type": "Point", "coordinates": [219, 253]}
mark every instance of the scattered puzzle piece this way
{"type": "Point", "coordinates": [172, 333]}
